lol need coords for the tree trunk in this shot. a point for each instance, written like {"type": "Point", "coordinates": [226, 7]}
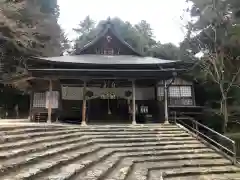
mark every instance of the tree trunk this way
{"type": "Point", "coordinates": [225, 114]}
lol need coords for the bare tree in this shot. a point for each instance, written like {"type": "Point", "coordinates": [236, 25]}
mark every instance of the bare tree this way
{"type": "Point", "coordinates": [216, 40]}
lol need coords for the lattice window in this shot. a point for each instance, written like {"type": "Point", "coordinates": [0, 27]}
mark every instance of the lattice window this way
{"type": "Point", "coordinates": [177, 95]}
{"type": "Point", "coordinates": [180, 95]}
{"type": "Point", "coordinates": [174, 91]}
{"type": "Point", "coordinates": [180, 91]}
{"type": "Point", "coordinates": [186, 91]}
{"type": "Point", "coordinates": [39, 100]}
{"type": "Point", "coordinates": [161, 93]}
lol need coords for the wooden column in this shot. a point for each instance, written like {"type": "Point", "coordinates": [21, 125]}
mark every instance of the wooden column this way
{"type": "Point", "coordinates": [30, 106]}
{"type": "Point", "coordinates": [133, 103]}
{"type": "Point", "coordinates": [84, 105]}
{"type": "Point", "coordinates": [166, 102]}
{"type": "Point", "coordinates": [50, 102]}
{"type": "Point", "coordinates": [59, 109]}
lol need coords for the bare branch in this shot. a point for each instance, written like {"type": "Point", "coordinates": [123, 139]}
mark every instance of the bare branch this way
{"type": "Point", "coordinates": [233, 80]}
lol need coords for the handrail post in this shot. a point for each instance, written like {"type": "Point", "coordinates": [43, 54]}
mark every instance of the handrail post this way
{"type": "Point", "coordinates": [234, 153]}
{"type": "Point", "coordinates": [175, 117]}
{"type": "Point", "coordinates": [197, 131]}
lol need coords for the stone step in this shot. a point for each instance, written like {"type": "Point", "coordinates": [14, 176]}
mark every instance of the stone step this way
{"type": "Point", "coordinates": [16, 137]}
{"type": "Point", "coordinates": [128, 135]}
{"type": "Point", "coordinates": [70, 152]}
{"type": "Point", "coordinates": [12, 126]}
{"type": "Point", "coordinates": [11, 138]}
{"type": "Point", "coordinates": [126, 126]}
{"type": "Point", "coordinates": [124, 165]}
{"type": "Point", "coordinates": [184, 172]}
{"type": "Point", "coordinates": [40, 147]}
{"type": "Point", "coordinates": [222, 176]}
{"type": "Point", "coordinates": [16, 127]}
{"type": "Point", "coordinates": [35, 156]}
{"type": "Point", "coordinates": [146, 139]}
{"type": "Point", "coordinates": [38, 140]}
{"type": "Point", "coordinates": [10, 154]}
{"type": "Point", "coordinates": [103, 158]}
{"type": "Point", "coordinates": [32, 130]}
{"type": "Point", "coordinates": [13, 152]}
{"type": "Point", "coordinates": [180, 132]}
{"type": "Point", "coordinates": [164, 140]}
{"type": "Point", "coordinates": [101, 169]}
{"type": "Point", "coordinates": [218, 173]}
{"type": "Point", "coordinates": [88, 128]}
{"type": "Point", "coordinates": [66, 166]}
{"type": "Point", "coordinates": [176, 168]}
{"type": "Point", "coordinates": [31, 170]}
{"type": "Point", "coordinates": [32, 141]}
{"type": "Point", "coordinates": [18, 162]}
{"type": "Point", "coordinates": [93, 128]}
{"type": "Point", "coordinates": [129, 128]}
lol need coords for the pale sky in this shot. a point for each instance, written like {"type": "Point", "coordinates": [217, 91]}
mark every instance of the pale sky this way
{"type": "Point", "coordinates": [163, 15]}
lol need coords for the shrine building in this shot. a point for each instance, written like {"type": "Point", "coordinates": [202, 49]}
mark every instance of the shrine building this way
{"type": "Point", "coordinates": [106, 82]}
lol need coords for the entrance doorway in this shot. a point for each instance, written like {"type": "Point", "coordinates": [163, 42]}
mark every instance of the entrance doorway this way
{"type": "Point", "coordinates": [108, 111]}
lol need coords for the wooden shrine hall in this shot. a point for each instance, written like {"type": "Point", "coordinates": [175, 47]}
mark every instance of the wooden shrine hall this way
{"type": "Point", "coordinates": [105, 82]}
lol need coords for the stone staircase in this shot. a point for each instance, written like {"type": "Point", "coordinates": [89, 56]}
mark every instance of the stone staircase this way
{"type": "Point", "coordinates": [67, 152]}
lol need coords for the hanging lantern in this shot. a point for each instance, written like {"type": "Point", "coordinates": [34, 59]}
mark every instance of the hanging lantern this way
{"type": "Point", "coordinates": [102, 96]}
{"type": "Point", "coordinates": [112, 95]}
{"type": "Point", "coordinates": [89, 94]}
{"type": "Point", "coordinates": [128, 93]}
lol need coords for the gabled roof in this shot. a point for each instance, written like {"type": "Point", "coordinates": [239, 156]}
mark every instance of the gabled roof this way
{"type": "Point", "coordinates": [109, 27]}
{"type": "Point", "coordinates": [83, 57]}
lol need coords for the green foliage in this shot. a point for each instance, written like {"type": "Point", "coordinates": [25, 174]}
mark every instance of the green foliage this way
{"type": "Point", "coordinates": [85, 26]}
{"type": "Point", "coordinates": [86, 31]}
{"type": "Point", "coordinates": [218, 17]}
{"type": "Point", "coordinates": [167, 51]}
{"type": "Point", "coordinates": [49, 7]}
{"type": "Point", "coordinates": [65, 44]}
{"type": "Point", "coordinates": [212, 120]}
{"type": "Point", "coordinates": [30, 27]}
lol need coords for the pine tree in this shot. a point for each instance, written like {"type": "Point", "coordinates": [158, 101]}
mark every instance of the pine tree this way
{"type": "Point", "coordinates": [30, 27]}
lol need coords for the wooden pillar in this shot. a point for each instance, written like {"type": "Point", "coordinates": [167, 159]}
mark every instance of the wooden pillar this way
{"type": "Point", "coordinates": [50, 103]}
{"type": "Point", "coordinates": [30, 106]}
{"type": "Point", "coordinates": [166, 102]}
{"type": "Point", "coordinates": [84, 105]}
{"type": "Point", "coordinates": [193, 95]}
{"type": "Point", "coordinates": [133, 103]}
{"type": "Point", "coordinates": [59, 108]}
